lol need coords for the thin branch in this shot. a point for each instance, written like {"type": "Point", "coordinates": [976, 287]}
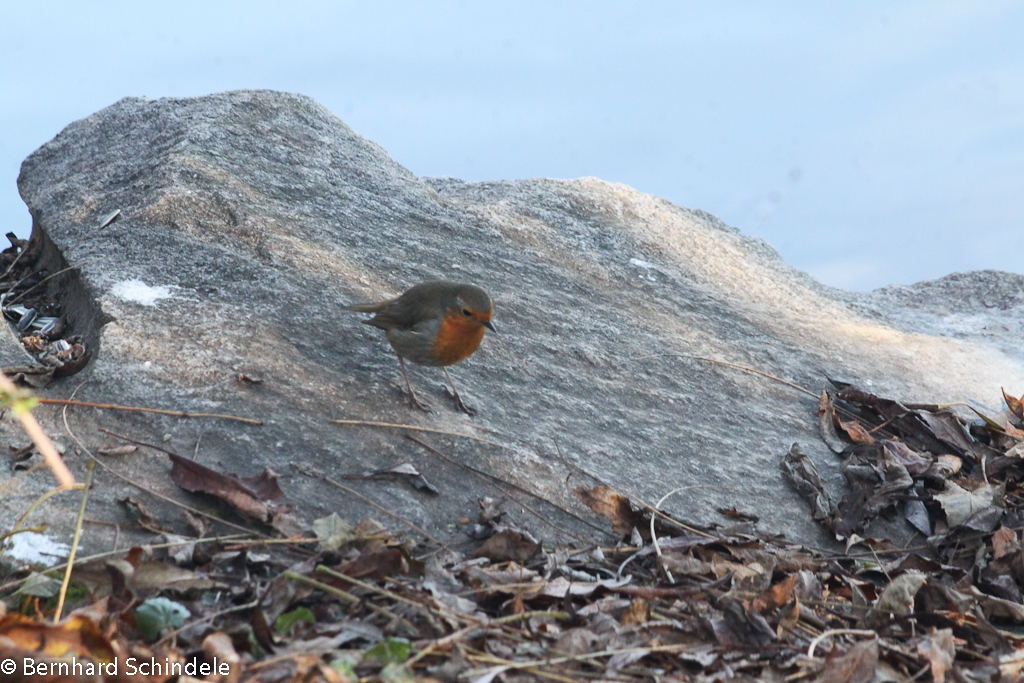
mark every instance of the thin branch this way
{"type": "Point", "coordinates": [209, 617]}
{"type": "Point", "coordinates": [345, 595]}
{"type": "Point", "coordinates": [124, 551]}
{"type": "Point", "coordinates": [35, 432]}
{"type": "Point", "coordinates": [159, 411]}
{"type": "Point", "coordinates": [499, 480]}
{"type": "Point", "coordinates": [837, 632]}
{"type": "Point", "coordinates": [431, 614]}
{"type": "Point", "coordinates": [148, 490]}
{"type": "Point", "coordinates": [13, 263]}
{"type": "Point", "coordinates": [313, 473]}
{"type": "Point", "coordinates": [440, 642]}
{"type": "Point", "coordinates": [48, 277]}
{"type": "Point", "coordinates": [414, 428]}
{"type": "Point", "coordinates": [729, 365]}
{"type": "Point", "coordinates": [74, 543]}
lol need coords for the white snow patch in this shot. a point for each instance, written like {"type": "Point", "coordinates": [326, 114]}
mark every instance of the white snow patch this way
{"type": "Point", "coordinates": [34, 548]}
{"type": "Point", "coordinates": [139, 292]}
{"type": "Point", "coordinates": [642, 264]}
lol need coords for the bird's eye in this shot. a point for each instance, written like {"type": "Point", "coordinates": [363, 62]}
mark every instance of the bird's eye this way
{"type": "Point", "coordinates": [466, 312]}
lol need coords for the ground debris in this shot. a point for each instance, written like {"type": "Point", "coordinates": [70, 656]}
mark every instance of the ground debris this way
{"type": "Point", "coordinates": [346, 601]}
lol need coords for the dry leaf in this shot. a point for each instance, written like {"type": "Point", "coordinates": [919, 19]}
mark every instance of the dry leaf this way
{"type": "Point", "coordinates": [856, 665]}
{"type": "Point", "coordinates": [613, 506]}
{"type": "Point", "coordinates": [940, 652]}
{"type": "Point", "coordinates": [508, 545]}
{"type": "Point", "coordinates": [959, 503]}
{"type": "Point", "coordinates": [1004, 542]}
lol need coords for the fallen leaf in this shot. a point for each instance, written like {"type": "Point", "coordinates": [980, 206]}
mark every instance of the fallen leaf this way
{"type": "Point", "coordinates": [508, 545]}
{"type": "Point", "coordinates": [405, 472]}
{"type": "Point", "coordinates": [959, 503]}
{"type": "Point", "coordinates": [857, 433]}
{"type": "Point", "coordinates": [218, 646]}
{"type": "Point", "coordinates": [250, 495]}
{"type": "Point", "coordinates": [1004, 542]}
{"type": "Point", "coordinates": [75, 636]}
{"type": "Point", "coordinates": [856, 665]}
{"type": "Point", "coordinates": [638, 612]}
{"type": "Point", "coordinates": [736, 514]}
{"type": "Point", "coordinates": [332, 532]}
{"type": "Point", "coordinates": [896, 600]}
{"type": "Point", "coordinates": [804, 476]}
{"type": "Point", "coordinates": [376, 564]}
{"type": "Point", "coordinates": [827, 422]}
{"type": "Point", "coordinates": [118, 450]}
{"type": "Point", "coordinates": [1014, 404]}
{"type": "Point", "coordinates": [142, 516]}
{"type": "Point", "coordinates": [613, 506]}
{"type": "Point", "coordinates": [940, 651]}
{"type": "Point", "coordinates": [775, 597]}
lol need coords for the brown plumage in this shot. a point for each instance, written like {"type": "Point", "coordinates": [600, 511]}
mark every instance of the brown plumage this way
{"type": "Point", "coordinates": [436, 323]}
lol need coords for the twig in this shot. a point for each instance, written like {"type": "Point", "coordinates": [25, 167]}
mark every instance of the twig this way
{"type": "Point", "coordinates": [499, 480]}
{"type": "Point", "coordinates": [209, 617]}
{"type": "Point", "coordinates": [38, 501]}
{"type": "Point", "coordinates": [490, 624]}
{"type": "Point", "coordinates": [581, 657]}
{"type": "Point", "coordinates": [654, 536]}
{"type": "Point", "coordinates": [730, 365]}
{"type": "Point", "coordinates": [345, 595]}
{"type": "Point", "coordinates": [837, 632]}
{"type": "Point", "coordinates": [74, 543]}
{"type": "Point", "coordinates": [426, 611]}
{"type": "Point", "coordinates": [13, 263]}
{"type": "Point", "coordinates": [138, 443]}
{"type": "Point", "coordinates": [414, 428]}
{"type": "Point", "coordinates": [35, 432]}
{"type": "Point", "coordinates": [313, 473]}
{"type": "Point", "coordinates": [173, 413]}
{"type": "Point", "coordinates": [633, 497]}
{"type": "Point", "coordinates": [48, 277]}
{"type": "Point", "coordinates": [122, 551]}
{"type": "Point", "coordinates": [263, 542]}
{"type": "Point", "coordinates": [148, 490]}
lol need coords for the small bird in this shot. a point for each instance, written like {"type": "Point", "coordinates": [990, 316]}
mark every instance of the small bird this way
{"type": "Point", "coordinates": [435, 323]}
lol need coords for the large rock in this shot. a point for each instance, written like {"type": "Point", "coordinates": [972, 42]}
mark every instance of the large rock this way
{"type": "Point", "coordinates": [261, 214]}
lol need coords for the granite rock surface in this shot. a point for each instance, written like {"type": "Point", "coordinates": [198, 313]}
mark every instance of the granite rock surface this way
{"type": "Point", "coordinates": [248, 219]}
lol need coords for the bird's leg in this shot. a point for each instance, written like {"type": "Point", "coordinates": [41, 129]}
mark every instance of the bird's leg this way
{"type": "Point", "coordinates": [412, 394]}
{"type": "Point", "coordinates": [455, 394]}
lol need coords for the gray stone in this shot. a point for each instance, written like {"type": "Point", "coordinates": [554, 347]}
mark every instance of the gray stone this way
{"type": "Point", "coordinates": [260, 214]}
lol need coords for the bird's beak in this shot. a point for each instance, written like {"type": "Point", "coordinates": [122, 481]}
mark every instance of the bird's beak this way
{"type": "Point", "coordinates": [488, 325]}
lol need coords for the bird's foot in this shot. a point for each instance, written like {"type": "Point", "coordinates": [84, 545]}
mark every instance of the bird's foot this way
{"type": "Point", "coordinates": [415, 401]}
{"type": "Point", "coordinates": [459, 403]}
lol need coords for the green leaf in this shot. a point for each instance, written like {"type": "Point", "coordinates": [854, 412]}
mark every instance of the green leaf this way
{"type": "Point", "coordinates": [284, 623]}
{"type": "Point", "coordinates": [390, 651]}
{"type": "Point", "coordinates": [156, 614]}
{"type": "Point", "coordinates": [40, 586]}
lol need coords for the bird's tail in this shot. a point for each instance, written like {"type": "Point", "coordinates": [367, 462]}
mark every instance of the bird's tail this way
{"type": "Point", "coordinates": [366, 308]}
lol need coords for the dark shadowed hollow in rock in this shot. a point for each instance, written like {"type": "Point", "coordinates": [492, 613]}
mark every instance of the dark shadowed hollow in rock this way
{"type": "Point", "coordinates": [248, 219]}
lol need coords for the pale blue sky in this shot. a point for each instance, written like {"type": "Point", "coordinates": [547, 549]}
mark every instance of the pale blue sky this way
{"type": "Point", "coordinates": [870, 142]}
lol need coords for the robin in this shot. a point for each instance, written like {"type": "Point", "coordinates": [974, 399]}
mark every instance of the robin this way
{"type": "Point", "coordinates": [436, 323]}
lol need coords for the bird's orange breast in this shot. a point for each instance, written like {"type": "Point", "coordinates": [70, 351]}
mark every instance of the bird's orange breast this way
{"type": "Point", "coordinates": [457, 338]}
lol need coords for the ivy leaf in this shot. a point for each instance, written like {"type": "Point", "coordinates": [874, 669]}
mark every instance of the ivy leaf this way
{"type": "Point", "coordinates": [284, 623]}
{"type": "Point", "coordinates": [390, 651]}
{"type": "Point", "coordinates": [156, 614]}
